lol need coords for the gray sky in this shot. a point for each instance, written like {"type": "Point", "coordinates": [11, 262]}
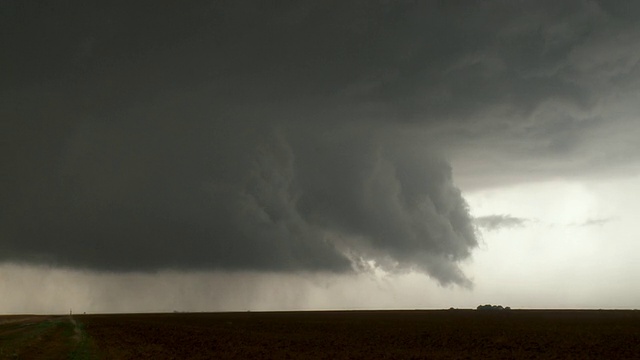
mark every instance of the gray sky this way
{"type": "Point", "coordinates": [252, 142]}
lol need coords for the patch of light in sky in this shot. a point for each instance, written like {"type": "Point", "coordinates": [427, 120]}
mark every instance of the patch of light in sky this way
{"type": "Point", "coordinates": [554, 203]}
{"type": "Point", "coordinates": [575, 250]}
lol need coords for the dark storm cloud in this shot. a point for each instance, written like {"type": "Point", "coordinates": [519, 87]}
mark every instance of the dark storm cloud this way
{"type": "Point", "coordinates": [288, 136]}
{"type": "Point", "coordinates": [496, 222]}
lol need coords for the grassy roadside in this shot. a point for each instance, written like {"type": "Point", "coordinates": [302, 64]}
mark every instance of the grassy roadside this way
{"type": "Point", "coordinates": [84, 348]}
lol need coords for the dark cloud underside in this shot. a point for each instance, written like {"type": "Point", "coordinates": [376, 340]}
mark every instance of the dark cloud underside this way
{"type": "Point", "coordinates": [288, 136]}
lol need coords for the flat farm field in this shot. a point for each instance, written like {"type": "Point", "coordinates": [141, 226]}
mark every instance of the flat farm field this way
{"type": "Point", "coordinates": [430, 334]}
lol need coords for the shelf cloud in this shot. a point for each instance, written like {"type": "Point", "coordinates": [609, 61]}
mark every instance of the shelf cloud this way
{"type": "Point", "coordinates": [297, 136]}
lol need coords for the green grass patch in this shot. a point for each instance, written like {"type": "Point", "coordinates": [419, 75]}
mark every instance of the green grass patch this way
{"type": "Point", "coordinates": [83, 348]}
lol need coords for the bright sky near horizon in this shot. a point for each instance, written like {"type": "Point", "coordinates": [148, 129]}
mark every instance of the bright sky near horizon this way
{"type": "Point", "coordinates": [214, 156]}
{"type": "Point", "coordinates": [571, 250]}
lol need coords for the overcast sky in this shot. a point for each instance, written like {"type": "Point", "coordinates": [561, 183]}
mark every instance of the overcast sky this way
{"type": "Point", "coordinates": [232, 155]}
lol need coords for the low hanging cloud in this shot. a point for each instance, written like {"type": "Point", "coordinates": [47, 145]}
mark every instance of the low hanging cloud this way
{"type": "Point", "coordinates": [296, 136]}
{"type": "Point", "coordinates": [497, 222]}
{"type": "Point", "coordinates": [269, 198]}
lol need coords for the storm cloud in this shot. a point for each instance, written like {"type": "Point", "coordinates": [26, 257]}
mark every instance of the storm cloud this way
{"type": "Point", "coordinates": [297, 136]}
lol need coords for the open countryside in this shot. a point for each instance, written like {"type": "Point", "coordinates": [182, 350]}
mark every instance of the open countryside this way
{"type": "Point", "coordinates": [417, 334]}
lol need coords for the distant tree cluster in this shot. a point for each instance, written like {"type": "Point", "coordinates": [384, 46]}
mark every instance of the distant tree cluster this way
{"type": "Point", "coordinates": [492, 307]}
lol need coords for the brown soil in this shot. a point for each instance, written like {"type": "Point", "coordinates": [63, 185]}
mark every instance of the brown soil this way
{"type": "Point", "coordinates": [448, 334]}
{"type": "Point", "coordinates": [36, 337]}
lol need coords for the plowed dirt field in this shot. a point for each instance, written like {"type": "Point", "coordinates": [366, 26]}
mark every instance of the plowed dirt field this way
{"type": "Point", "coordinates": [447, 334]}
